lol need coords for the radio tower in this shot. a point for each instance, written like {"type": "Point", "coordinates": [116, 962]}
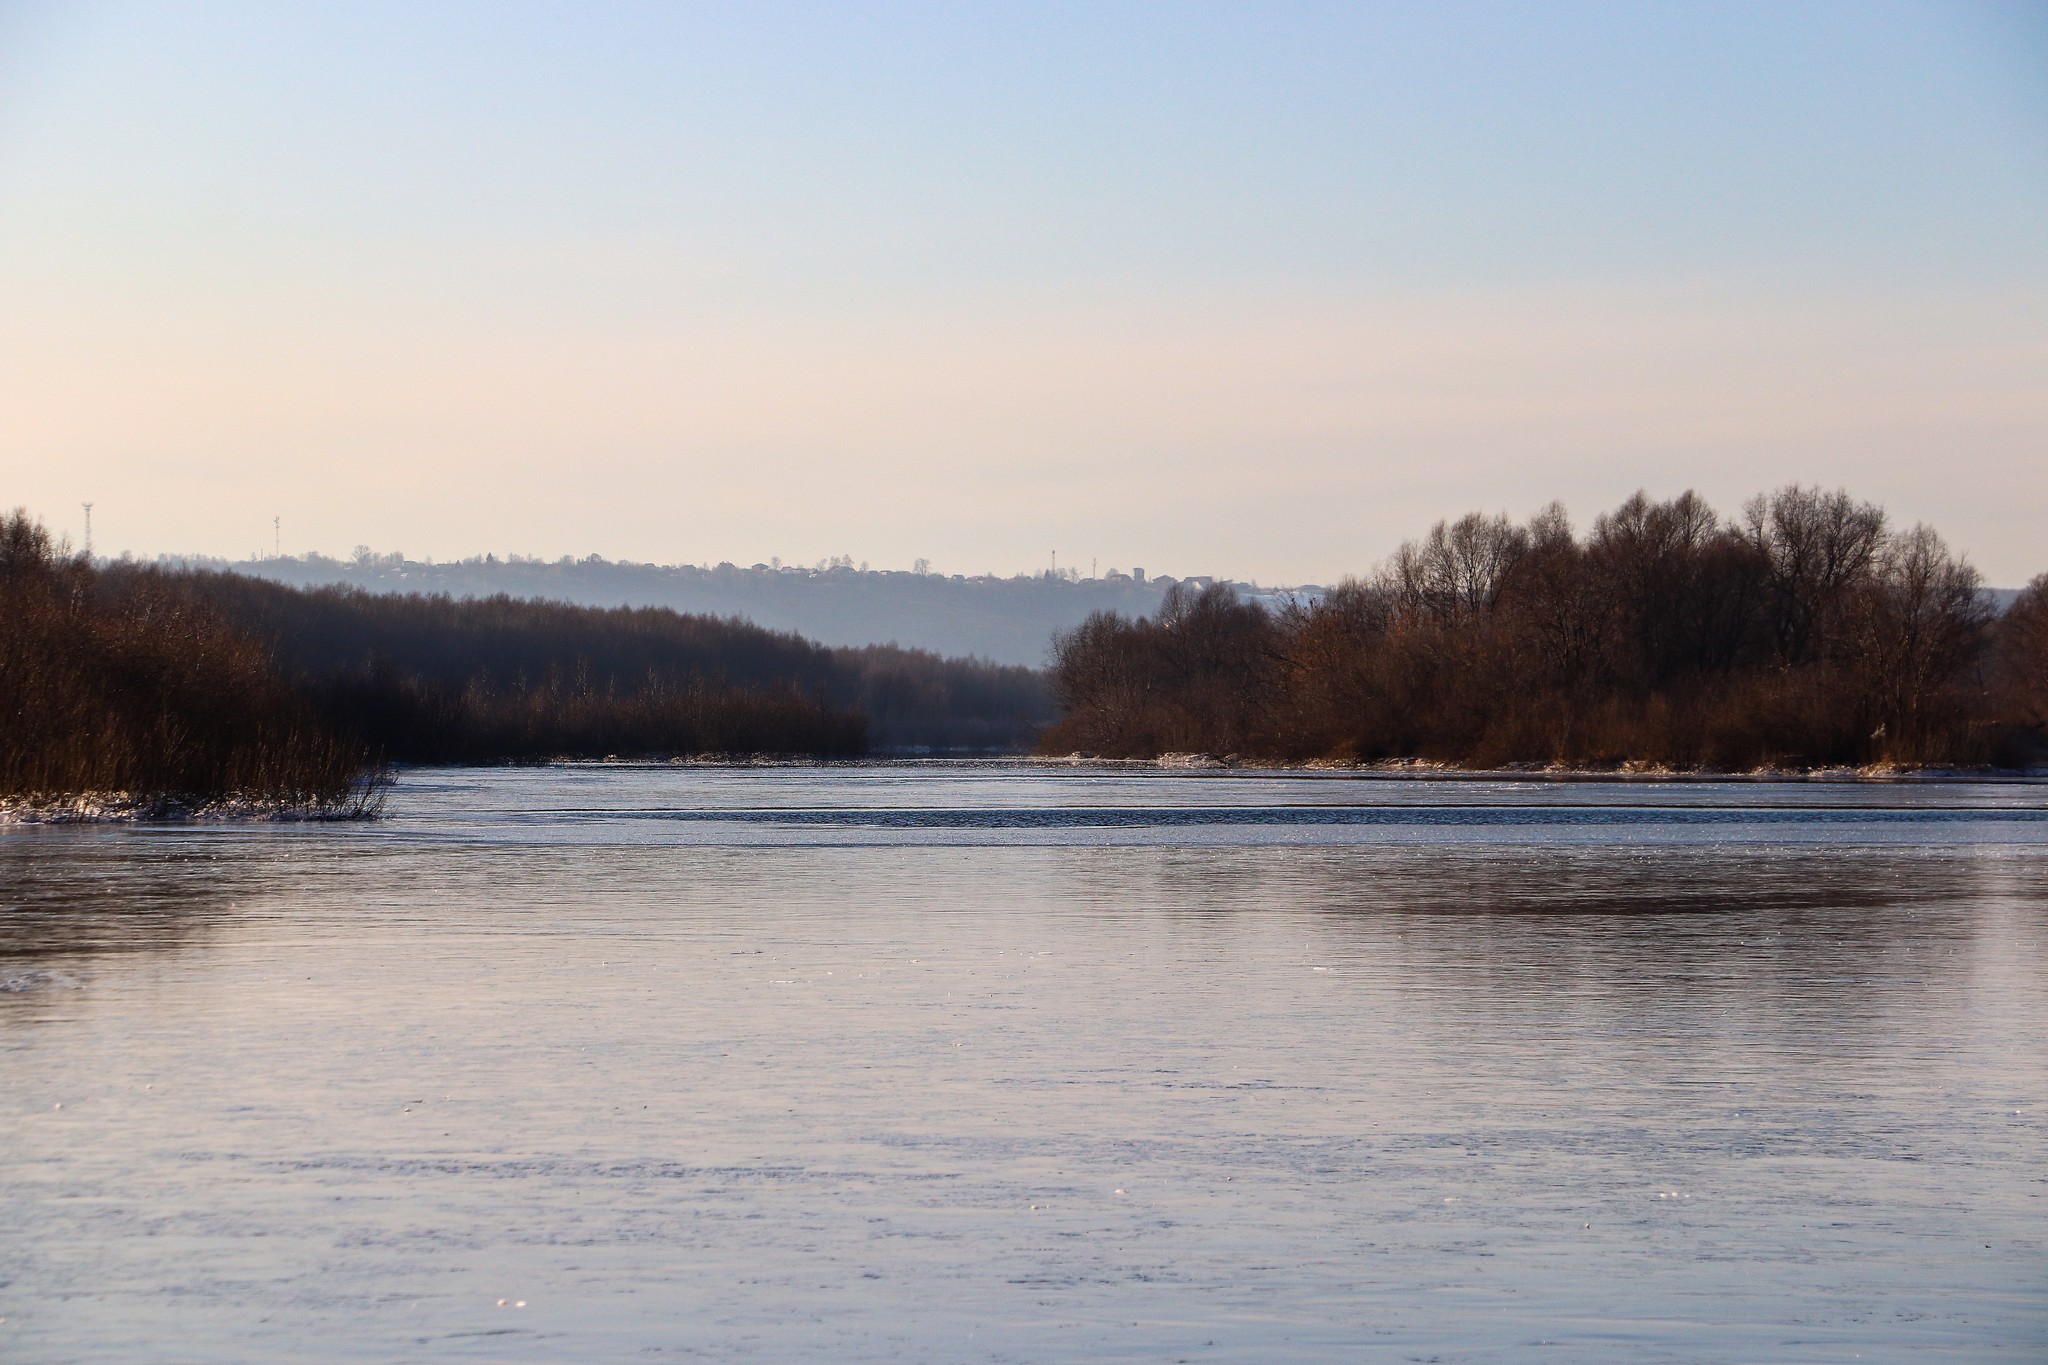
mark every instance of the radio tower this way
{"type": "Point", "coordinates": [277, 537]}
{"type": "Point", "coordinates": [88, 528]}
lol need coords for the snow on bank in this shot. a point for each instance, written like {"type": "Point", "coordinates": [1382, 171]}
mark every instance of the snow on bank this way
{"type": "Point", "coordinates": [1632, 771]}
{"type": "Point", "coordinates": [128, 808]}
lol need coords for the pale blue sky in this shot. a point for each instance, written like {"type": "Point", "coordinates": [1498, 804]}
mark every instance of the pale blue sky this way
{"type": "Point", "coordinates": [1245, 290]}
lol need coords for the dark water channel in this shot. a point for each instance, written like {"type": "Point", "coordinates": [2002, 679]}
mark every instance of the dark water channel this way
{"type": "Point", "coordinates": [1018, 1064]}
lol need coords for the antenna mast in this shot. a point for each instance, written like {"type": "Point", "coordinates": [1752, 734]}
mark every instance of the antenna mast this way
{"type": "Point", "coordinates": [88, 528]}
{"type": "Point", "coordinates": [277, 537]}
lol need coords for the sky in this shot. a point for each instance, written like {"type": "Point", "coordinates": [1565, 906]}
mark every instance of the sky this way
{"type": "Point", "coordinates": [1251, 290]}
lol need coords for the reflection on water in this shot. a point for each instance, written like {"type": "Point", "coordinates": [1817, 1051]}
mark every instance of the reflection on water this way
{"type": "Point", "coordinates": [981, 1063]}
{"type": "Point", "coordinates": [71, 893]}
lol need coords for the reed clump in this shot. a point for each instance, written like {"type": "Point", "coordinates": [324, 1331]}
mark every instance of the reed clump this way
{"type": "Point", "coordinates": [1805, 633]}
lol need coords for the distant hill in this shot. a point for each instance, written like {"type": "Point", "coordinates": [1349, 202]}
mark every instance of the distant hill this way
{"type": "Point", "coordinates": [1005, 620]}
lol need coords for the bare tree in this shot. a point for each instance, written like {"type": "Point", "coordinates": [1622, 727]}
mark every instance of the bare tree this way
{"type": "Point", "coordinates": [1921, 623]}
{"type": "Point", "coordinates": [1815, 546]}
{"type": "Point", "coordinates": [1458, 570]}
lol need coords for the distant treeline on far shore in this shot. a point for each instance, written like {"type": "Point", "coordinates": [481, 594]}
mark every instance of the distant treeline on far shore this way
{"type": "Point", "coordinates": [201, 686]}
{"type": "Point", "coordinates": [1806, 632]}
{"type": "Point", "coordinates": [837, 602]}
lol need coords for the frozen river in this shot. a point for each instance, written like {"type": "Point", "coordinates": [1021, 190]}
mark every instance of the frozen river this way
{"type": "Point", "coordinates": [1016, 1063]}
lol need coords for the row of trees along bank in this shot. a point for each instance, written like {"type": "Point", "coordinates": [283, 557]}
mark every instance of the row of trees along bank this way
{"type": "Point", "coordinates": [1806, 632]}
{"type": "Point", "coordinates": [438, 679]}
{"type": "Point", "coordinates": [182, 687]}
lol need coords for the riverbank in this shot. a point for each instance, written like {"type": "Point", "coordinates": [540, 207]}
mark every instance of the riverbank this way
{"type": "Point", "coordinates": [1414, 769]}
{"type": "Point", "coordinates": [104, 808]}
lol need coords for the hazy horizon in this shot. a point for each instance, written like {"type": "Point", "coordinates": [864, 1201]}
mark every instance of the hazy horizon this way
{"type": "Point", "coordinates": [1088, 571]}
{"type": "Point", "coordinates": [1250, 292]}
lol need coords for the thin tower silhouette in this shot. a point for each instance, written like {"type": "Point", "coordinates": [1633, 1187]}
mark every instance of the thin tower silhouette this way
{"type": "Point", "coordinates": [88, 528]}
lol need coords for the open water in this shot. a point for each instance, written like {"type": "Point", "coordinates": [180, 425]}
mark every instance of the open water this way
{"type": "Point", "coordinates": [1016, 1063]}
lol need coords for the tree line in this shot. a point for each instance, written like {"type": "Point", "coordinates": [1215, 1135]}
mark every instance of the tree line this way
{"type": "Point", "coordinates": [197, 685]}
{"type": "Point", "coordinates": [1805, 632]}
{"type": "Point", "coordinates": [437, 679]}
{"type": "Point", "coordinates": [1007, 619]}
